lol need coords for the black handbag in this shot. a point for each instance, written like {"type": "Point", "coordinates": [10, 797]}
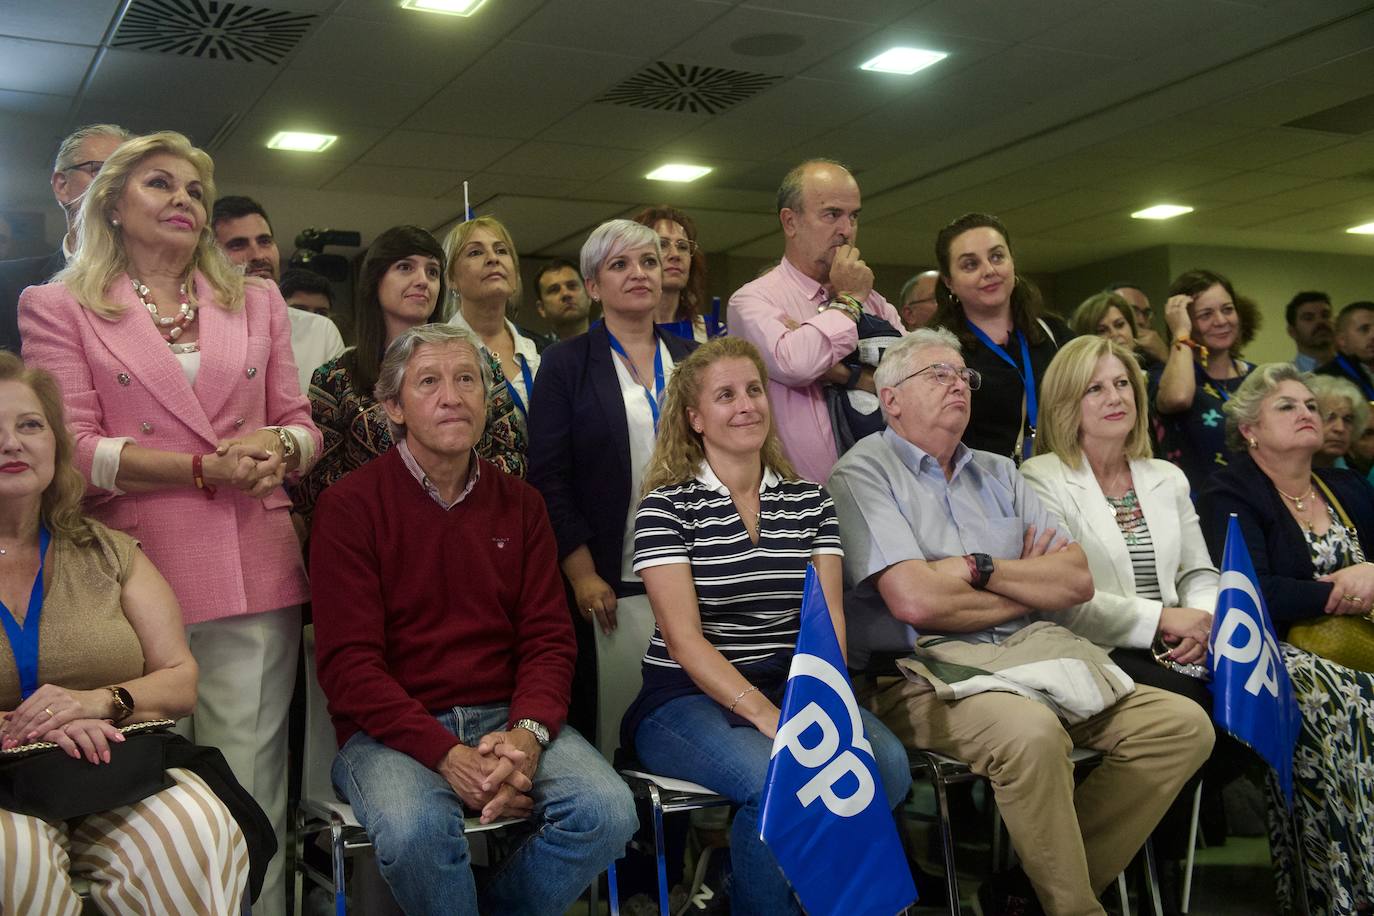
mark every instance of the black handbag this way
{"type": "Point", "coordinates": [41, 780]}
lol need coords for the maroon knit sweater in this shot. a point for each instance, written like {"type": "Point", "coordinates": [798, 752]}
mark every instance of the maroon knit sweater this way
{"type": "Point", "coordinates": [418, 609]}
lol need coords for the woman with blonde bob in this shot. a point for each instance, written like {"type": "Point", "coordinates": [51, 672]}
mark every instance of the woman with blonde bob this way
{"type": "Point", "coordinates": [723, 538]}
{"type": "Point", "coordinates": [185, 405]}
{"type": "Point", "coordinates": [1154, 582]}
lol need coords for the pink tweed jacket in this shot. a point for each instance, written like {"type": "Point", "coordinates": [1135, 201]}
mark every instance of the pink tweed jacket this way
{"type": "Point", "coordinates": [223, 557]}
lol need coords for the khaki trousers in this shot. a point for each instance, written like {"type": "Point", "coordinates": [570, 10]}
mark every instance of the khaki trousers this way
{"type": "Point", "coordinates": [1071, 842]}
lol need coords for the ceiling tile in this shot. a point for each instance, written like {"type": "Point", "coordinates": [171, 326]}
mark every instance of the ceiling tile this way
{"type": "Point", "coordinates": [564, 160]}
{"type": "Point", "coordinates": [421, 149]}
{"type": "Point", "coordinates": [272, 167]}
{"type": "Point", "coordinates": [1280, 101]}
{"type": "Point", "coordinates": [1169, 178]}
{"type": "Point", "coordinates": [250, 137]}
{"type": "Point", "coordinates": [1333, 162]}
{"type": "Point", "coordinates": [1236, 216]}
{"type": "Point", "coordinates": [1249, 186]}
{"type": "Point", "coordinates": [488, 185]}
{"type": "Point", "coordinates": [869, 12]}
{"type": "Point", "coordinates": [1130, 30]}
{"type": "Point", "coordinates": [1353, 70]}
{"type": "Point", "coordinates": [392, 180]}
{"type": "Point", "coordinates": [621, 126]}
{"type": "Point", "coordinates": [644, 28]}
{"type": "Point", "coordinates": [739, 137]}
{"type": "Point", "coordinates": [1022, 73]}
{"type": "Point", "coordinates": [994, 19]}
{"type": "Point", "coordinates": [524, 90]}
{"type": "Point", "coordinates": [1264, 148]}
{"type": "Point", "coordinates": [34, 103]}
{"type": "Point", "coordinates": [340, 99]}
{"type": "Point", "coordinates": [69, 21]}
{"type": "Point", "coordinates": [538, 221]}
{"type": "Point", "coordinates": [180, 82]}
{"type": "Point", "coordinates": [819, 39]}
{"type": "Point", "coordinates": [1322, 194]}
{"type": "Point", "coordinates": [43, 66]}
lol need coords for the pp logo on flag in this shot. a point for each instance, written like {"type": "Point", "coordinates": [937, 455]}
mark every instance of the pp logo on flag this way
{"type": "Point", "coordinates": [1259, 642]}
{"type": "Point", "coordinates": [813, 738]}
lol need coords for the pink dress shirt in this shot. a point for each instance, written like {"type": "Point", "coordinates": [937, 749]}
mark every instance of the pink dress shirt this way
{"type": "Point", "coordinates": [796, 358]}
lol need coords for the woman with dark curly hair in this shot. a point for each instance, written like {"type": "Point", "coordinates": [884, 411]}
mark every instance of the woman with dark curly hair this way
{"type": "Point", "coordinates": [1208, 326]}
{"type": "Point", "coordinates": [996, 314]}
{"type": "Point", "coordinates": [682, 305]}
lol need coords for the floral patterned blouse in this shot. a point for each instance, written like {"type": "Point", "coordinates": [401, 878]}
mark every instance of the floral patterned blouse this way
{"type": "Point", "coordinates": [355, 430]}
{"type": "Point", "coordinates": [1195, 439]}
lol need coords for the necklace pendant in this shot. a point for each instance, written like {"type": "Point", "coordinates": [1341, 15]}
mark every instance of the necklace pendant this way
{"type": "Point", "coordinates": [1299, 503]}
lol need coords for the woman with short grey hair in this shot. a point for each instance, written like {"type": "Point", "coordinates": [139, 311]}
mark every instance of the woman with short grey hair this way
{"type": "Point", "coordinates": [1345, 415]}
{"type": "Point", "coordinates": [593, 422]}
{"type": "Point", "coordinates": [1308, 531]}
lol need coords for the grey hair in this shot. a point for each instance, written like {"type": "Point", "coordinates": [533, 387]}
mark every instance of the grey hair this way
{"type": "Point", "coordinates": [896, 362]}
{"type": "Point", "coordinates": [1331, 386]}
{"type": "Point", "coordinates": [906, 287]}
{"type": "Point", "coordinates": [392, 372]}
{"type": "Point", "coordinates": [1243, 407]}
{"type": "Point", "coordinates": [790, 191]}
{"type": "Point", "coordinates": [67, 151]}
{"type": "Point", "coordinates": [613, 237]}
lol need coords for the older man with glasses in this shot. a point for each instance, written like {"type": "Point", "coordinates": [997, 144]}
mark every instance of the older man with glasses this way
{"type": "Point", "coordinates": [79, 159]}
{"type": "Point", "coordinates": [951, 545]}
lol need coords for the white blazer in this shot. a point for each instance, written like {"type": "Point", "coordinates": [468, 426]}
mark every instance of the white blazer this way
{"type": "Point", "coordinates": [1116, 616]}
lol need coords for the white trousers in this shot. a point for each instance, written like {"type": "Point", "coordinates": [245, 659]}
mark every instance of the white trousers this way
{"type": "Point", "coordinates": [247, 672]}
{"type": "Point", "coordinates": [178, 851]}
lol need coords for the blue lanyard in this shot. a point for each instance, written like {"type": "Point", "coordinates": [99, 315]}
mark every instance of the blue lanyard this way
{"type": "Point", "coordinates": [1027, 373]}
{"type": "Point", "coordinates": [1356, 376]}
{"type": "Point", "coordinates": [24, 640]}
{"type": "Point", "coordinates": [528, 379]}
{"type": "Point", "coordinates": [654, 396]}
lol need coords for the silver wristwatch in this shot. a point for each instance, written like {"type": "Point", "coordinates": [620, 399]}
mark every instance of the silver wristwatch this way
{"type": "Point", "coordinates": [541, 734]}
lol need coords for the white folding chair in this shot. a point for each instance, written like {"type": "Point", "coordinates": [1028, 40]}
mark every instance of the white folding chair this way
{"type": "Point", "coordinates": [320, 809]}
{"type": "Point", "coordinates": [618, 679]}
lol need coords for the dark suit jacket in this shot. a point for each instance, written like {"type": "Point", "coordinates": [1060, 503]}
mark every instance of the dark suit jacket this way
{"type": "Point", "coordinates": [15, 277]}
{"type": "Point", "coordinates": [1361, 378]}
{"type": "Point", "coordinates": [1276, 543]}
{"type": "Point", "coordinates": [580, 445]}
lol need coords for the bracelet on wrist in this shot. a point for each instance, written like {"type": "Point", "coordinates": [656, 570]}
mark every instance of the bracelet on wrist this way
{"type": "Point", "coordinates": [198, 475]}
{"type": "Point", "coordinates": [742, 694]}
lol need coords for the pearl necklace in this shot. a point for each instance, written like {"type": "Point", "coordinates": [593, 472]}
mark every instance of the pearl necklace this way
{"type": "Point", "coordinates": [170, 327]}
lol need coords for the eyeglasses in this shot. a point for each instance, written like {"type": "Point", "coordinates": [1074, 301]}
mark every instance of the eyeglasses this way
{"type": "Point", "coordinates": [685, 247]}
{"type": "Point", "coordinates": [945, 374]}
{"type": "Point", "coordinates": [90, 167]}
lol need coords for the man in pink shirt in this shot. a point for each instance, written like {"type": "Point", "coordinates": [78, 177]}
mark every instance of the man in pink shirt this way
{"type": "Point", "coordinates": [803, 314]}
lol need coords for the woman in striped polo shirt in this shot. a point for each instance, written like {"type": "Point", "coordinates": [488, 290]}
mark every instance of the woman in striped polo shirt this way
{"type": "Point", "coordinates": [722, 541]}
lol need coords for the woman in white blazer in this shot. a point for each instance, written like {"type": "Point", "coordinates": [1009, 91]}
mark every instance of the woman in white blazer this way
{"type": "Point", "coordinates": [1155, 585]}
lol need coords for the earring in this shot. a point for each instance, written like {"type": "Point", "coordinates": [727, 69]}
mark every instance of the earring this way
{"type": "Point", "coordinates": [1252, 442]}
{"type": "Point", "coordinates": [114, 221]}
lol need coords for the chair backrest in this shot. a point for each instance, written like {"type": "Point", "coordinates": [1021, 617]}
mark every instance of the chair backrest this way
{"type": "Point", "coordinates": [619, 674]}
{"type": "Point", "coordinates": [321, 743]}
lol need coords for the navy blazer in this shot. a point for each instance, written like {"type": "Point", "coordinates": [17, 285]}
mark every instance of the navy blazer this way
{"type": "Point", "coordinates": [15, 277]}
{"type": "Point", "coordinates": [579, 451]}
{"type": "Point", "coordinates": [1276, 543]}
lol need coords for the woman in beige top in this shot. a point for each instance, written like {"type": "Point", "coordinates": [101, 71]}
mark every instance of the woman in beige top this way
{"type": "Point", "coordinates": [93, 640]}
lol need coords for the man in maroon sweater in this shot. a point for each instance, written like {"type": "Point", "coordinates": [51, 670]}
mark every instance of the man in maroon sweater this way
{"type": "Point", "coordinates": [446, 652]}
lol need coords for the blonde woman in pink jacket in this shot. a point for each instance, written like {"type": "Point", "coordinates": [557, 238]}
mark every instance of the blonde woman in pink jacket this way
{"type": "Point", "coordinates": [183, 399]}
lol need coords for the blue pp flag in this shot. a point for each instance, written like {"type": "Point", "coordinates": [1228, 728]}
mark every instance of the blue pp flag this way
{"type": "Point", "coordinates": [1252, 697]}
{"type": "Point", "coordinates": [825, 815]}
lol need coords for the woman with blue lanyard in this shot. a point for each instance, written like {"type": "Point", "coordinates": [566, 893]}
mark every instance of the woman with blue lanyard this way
{"type": "Point", "coordinates": [401, 286]}
{"type": "Point", "coordinates": [484, 275]}
{"type": "Point", "coordinates": [996, 314]}
{"type": "Point", "coordinates": [596, 409]}
{"type": "Point", "coordinates": [682, 307]}
{"type": "Point", "coordinates": [1208, 326]}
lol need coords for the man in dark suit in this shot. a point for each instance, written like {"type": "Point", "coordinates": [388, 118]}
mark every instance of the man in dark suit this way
{"type": "Point", "coordinates": [79, 158]}
{"type": "Point", "coordinates": [1354, 347]}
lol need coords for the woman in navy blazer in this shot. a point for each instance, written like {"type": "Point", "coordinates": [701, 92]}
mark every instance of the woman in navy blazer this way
{"type": "Point", "coordinates": [594, 414]}
{"type": "Point", "coordinates": [1309, 532]}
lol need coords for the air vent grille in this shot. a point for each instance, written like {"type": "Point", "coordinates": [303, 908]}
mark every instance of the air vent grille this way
{"type": "Point", "coordinates": [682, 87]}
{"type": "Point", "coordinates": [212, 30]}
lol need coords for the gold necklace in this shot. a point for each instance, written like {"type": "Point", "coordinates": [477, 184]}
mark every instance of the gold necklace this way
{"type": "Point", "coordinates": [1297, 501]}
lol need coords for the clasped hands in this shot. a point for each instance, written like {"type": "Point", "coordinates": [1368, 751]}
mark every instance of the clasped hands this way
{"type": "Point", "coordinates": [1352, 590]}
{"type": "Point", "coordinates": [68, 718]}
{"type": "Point", "coordinates": [495, 777]}
{"type": "Point", "coordinates": [251, 463]}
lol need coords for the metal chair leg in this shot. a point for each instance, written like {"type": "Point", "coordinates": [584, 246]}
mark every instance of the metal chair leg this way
{"type": "Point", "coordinates": [299, 876]}
{"type": "Point", "coordinates": [1192, 851]}
{"type": "Point", "coordinates": [1122, 893]}
{"type": "Point", "coordinates": [1152, 880]}
{"type": "Point", "coordinates": [656, 804]}
{"type": "Point", "coordinates": [336, 844]}
{"type": "Point", "coordinates": [946, 838]}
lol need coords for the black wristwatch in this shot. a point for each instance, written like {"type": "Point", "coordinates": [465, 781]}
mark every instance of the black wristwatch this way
{"type": "Point", "coordinates": [982, 569]}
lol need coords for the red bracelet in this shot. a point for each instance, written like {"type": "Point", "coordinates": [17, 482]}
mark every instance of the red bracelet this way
{"type": "Point", "coordinates": [198, 474]}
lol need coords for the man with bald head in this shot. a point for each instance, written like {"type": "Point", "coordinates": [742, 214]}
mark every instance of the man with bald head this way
{"type": "Point", "coordinates": [803, 315]}
{"type": "Point", "coordinates": [918, 299]}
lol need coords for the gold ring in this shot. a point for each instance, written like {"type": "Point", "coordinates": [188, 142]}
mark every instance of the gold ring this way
{"type": "Point", "coordinates": [48, 710]}
{"type": "Point", "coordinates": [1354, 598]}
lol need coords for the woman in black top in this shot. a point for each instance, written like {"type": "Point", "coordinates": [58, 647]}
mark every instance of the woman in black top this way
{"type": "Point", "coordinates": [996, 314]}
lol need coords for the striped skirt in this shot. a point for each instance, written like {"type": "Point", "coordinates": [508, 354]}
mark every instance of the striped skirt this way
{"type": "Point", "coordinates": [179, 851]}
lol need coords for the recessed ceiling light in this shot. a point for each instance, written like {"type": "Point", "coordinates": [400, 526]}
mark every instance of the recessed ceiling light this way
{"type": "Point", "coordinates": [1365, 229]}
{"type": "Point", "coordinates": [447, 7]}
{"type": "Point", "coordinates": [903, 60]}
{"type": "Point", "coordinates": [301, 141]}
{"type": "Point", "coordinates": [678, 171]}
{"type": "Point", "coordinates": [1161, 211]}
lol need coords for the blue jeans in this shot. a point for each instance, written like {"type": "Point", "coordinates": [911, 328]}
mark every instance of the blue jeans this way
{"type": "Point", "coordinates": [583, 817]}
{"type": "Point", "coordinates": [690, 738]}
